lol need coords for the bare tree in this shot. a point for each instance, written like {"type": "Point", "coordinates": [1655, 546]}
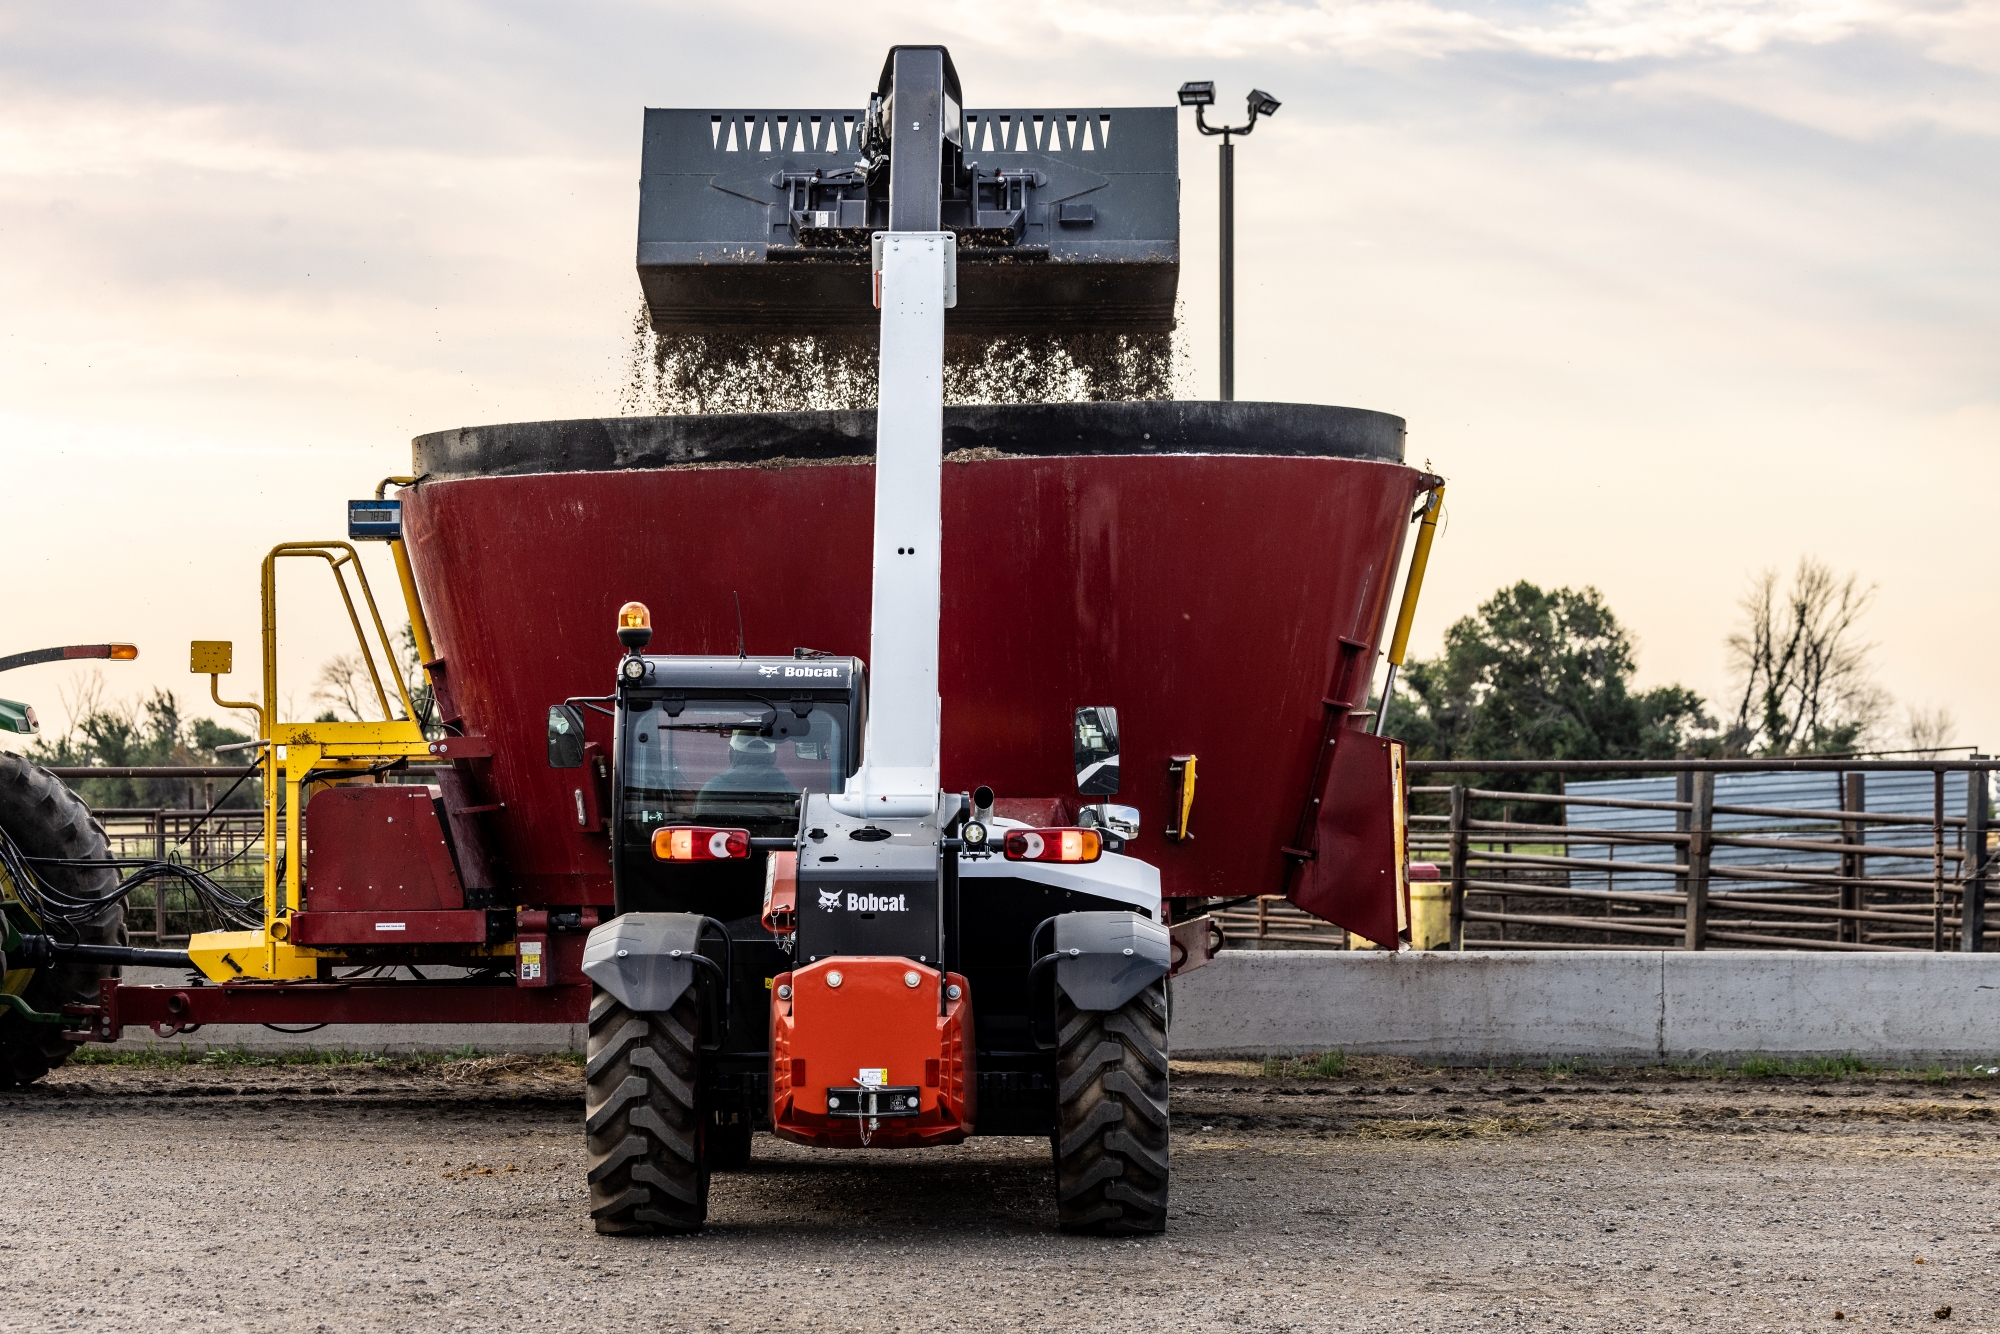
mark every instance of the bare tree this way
{"type": "Point", "coordinates": [83, 697]}
{"type": "Point", "coordinates": [1929, 731]}
{"type": "Point", "coordinates": [1805, 671]}
{"type": "Point", "coordinates": [345, 688]}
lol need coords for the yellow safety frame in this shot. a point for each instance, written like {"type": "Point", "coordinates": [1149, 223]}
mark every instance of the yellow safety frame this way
{"type": "Point", "coordinates": [407, 577]}
{"type": "Point", "coordinates": [300, 758]}
{"type": "Point", "coordinates": [1413, 587]}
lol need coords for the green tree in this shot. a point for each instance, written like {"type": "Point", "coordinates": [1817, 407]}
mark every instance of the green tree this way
{"type": "Point", "coordinates": [1542, 675]}
{"type": "Point", "coordinates": [147, 733]}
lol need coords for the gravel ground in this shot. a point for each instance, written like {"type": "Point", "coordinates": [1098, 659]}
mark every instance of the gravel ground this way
{"type": "Point", "coordinates": [448, 1196]}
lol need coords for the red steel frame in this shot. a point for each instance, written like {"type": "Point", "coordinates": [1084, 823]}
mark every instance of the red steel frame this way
{"type": "Point", "coordinates": [172, 1010]}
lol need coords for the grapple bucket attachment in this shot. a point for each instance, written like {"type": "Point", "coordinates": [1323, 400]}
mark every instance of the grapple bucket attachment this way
{"type": "Point", "coordinates": [1068, 219]}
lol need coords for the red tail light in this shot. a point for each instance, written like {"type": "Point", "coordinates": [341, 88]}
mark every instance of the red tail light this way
{"type": "Point", "coordinates": [684, 843]}
{"type": "Point", "coordinates": [1054, 845]}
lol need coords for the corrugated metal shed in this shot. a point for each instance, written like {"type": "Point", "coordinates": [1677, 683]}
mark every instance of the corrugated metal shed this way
{"type": "Point", "coordinates": [1885, 793]}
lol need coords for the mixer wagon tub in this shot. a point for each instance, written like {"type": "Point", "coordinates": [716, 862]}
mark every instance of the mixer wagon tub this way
{"type": "Point", "coordinates": [1218, 573]}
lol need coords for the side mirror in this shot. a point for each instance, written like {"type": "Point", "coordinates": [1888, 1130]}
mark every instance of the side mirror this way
{"type": "Point", "coordinates": [1097, 751]}
{"type": "Point", "coordinates": [1120, 820]}
{"type": "Point", "coordinates": [565, 736]}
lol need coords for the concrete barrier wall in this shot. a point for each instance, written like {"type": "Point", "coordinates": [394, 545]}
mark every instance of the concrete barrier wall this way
{"type": "Point", "coordinates": [1468, 1009]}
{"type": "Point", "coordinates": [1628, 1007]}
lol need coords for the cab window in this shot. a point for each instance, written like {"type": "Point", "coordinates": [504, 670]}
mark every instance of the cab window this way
{"type": "Point", "coordinates": [743, 762]}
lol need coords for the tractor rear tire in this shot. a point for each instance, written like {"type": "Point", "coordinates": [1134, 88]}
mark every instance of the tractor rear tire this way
{"type": "Point", "coordinates": [46, 819]}
{"type": "Point", "coordinates": [1111, 1116]}
{"type": "Point", "coordinates": [642, 1119]}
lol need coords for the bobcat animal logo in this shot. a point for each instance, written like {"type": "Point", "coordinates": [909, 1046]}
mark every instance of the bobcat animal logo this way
{"type": "Point", "coordinates": [829, 899]}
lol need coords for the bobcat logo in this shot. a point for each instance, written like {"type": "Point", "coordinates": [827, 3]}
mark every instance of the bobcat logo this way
{"type": "Point", "coordinates": [767, 671]}
{"type": "Point", "coordinates": [829, 899]}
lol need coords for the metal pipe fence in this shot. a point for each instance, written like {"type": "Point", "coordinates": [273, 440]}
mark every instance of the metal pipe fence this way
{"type": "Point", "coordinates": [1812, 855]}
{"type": "Point", "coordinates": [228, 845]}
{"type": "Point", "coordinates": [1271, 922]}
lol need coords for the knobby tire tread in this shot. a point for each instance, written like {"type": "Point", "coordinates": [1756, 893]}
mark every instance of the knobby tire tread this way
{"type": "Point", "coordinates": [46, 819]}
{"type": "Point", "coordinates": [642, 1119]}
{"type": "Point", "coordinates": [1111, 1139]}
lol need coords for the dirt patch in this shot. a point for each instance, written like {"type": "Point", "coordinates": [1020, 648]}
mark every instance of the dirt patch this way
{"type": "Point", "coordinates": [451, 1195]}
{"type": "Point", "coordinates": [1475, 1127]}
{"type": "Point", "coordinates": [512, 1068]}
{"type": "Point", "coordinates": [437, 1195]}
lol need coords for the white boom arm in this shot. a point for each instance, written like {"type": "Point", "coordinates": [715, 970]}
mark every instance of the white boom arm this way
{"type": "Point", "coordinates": [899, 770]}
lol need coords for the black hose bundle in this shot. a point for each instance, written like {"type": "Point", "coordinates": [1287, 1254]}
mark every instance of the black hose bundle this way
{"type": "Point", "coordinates": [66, 915]}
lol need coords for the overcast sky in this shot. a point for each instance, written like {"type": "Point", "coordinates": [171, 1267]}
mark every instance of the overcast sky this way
{"type": "Point", "coordinates": [1671, 292]}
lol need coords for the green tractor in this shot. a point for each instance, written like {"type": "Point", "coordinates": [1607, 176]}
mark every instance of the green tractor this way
{"type": "Point", "coordinates": [51, 898]}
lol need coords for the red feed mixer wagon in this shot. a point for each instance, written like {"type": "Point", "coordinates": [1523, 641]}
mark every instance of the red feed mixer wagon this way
{"type": "Point", "coordinates": [858, 776]}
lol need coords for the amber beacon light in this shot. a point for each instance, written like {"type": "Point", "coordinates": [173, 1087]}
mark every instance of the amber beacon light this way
{"type": "Point", "coordinates": [635, 626]}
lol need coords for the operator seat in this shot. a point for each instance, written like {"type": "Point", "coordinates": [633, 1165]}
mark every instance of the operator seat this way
{"type": "Point", "coordinates": [753, 771]}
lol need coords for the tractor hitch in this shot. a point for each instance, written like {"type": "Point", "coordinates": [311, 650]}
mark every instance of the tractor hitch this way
{"type": "Point", "coordinates": [874, 1102]}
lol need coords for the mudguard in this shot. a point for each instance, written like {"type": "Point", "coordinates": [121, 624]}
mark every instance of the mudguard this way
{"type": "Point", "coordinates": [1106, 958]}
{"type": "Point", "coordinates": [645, 959]}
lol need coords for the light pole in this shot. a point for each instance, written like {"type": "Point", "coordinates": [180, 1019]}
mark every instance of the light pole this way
{"type": "Point", "coordinates": [1200, 96]}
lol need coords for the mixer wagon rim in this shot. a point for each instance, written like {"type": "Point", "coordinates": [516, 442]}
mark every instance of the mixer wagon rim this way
{"type": "Point", "coordinates": [1155, 427]}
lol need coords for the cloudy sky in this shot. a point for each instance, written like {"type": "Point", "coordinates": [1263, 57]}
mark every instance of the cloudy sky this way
{"type": "Point", "coordinates": [1671, 291]}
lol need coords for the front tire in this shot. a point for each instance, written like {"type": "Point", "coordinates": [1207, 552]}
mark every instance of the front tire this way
{"type": "Point", "coordinates": [642, 1122]}
{"type": "Point", "coordinates": [1111, 1116]}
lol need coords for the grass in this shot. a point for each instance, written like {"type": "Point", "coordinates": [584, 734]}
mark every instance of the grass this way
{"type": "Point", "coordinates": [1811, 1067]}
{"type": "Point", "coordinates": [230, 1058]}
{"type": "Point", "coordinates": [1326, 1065]}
